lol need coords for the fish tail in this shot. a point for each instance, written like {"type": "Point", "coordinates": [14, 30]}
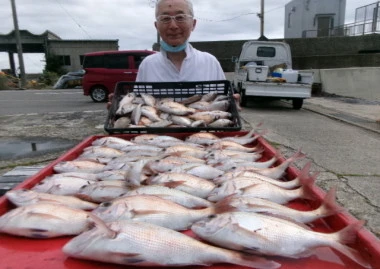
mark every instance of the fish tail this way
{"type": "Point", "coordinates": [307, 185]}
{"type": "Point", "coordinates": [346, 236]}
{"type": "Point", "coordinates": [253, 261]}
{"type": "Point", "coordinates": [224, 205]}
{"type": "Point", "coordinates": [329, 206]}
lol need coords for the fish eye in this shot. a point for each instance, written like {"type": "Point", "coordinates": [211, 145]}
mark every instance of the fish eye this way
{"type": "Point", "coordinates": [106, 204]}
{"type": "Point", "coordinates": [213, 216]}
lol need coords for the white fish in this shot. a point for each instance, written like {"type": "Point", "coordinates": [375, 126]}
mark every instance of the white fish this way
{"type": "Point", "coordinates": [45, 220]}
{"type": "Point", "coordinates": [144, 244]}
{"type": "Point", "coordinates": [112, 142]}
{"type": "Point", "coordinates": [149, 99]}
{"type": "Point", "coordinates": [174, 108]}
{"type": "Point", "coordinates": [125, 105]}
{"type": "Point", "coordinates": [60, 185]}
{"type": "Point", "coordinates": [150, 112]}
{"type": "Point", "coordinates": [102, 151]}
{"type": "Point", "coordinates": [185, 182]}
{"type": "Point", "coordinates": [122, 122]}
{"type": "Point", "coordinates": [275, 172]}
{"type": "Point", "coordinates": [177, 196]}
{"type": "Point", "coordinates": [83, 165]}
{"type": "Point", "coordinates": [270, 192]}
{"type": "Point", "coordinates": [200, 170]}
{"type": "Point", "coordinates": [23, 197]}
{"type": "Point", "coordinates": [232, 164]}
{"type": "Point", "coordinates": [202, 138]}
{"type": "Point", "coordinates": [152, 209]}
{"type": "Point", "coordinates": [221, 123]}
{"type": "Point", "coordinates": [261, 234]}
{"type": "Point", "coordinates": [99, 192]}
{"type": "Point", "coordinates": [245, 139]}
{"type": "Point", "coordinates": [327, 207]}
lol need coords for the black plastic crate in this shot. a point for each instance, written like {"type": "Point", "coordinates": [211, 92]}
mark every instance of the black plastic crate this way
{"type": "Point", "coordinates": [178, 91]}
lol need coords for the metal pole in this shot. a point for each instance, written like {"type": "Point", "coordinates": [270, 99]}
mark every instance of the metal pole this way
{"type": "Point", "coordinates": [19, 45]}
{"type": "Point", "coordinates": [262, 19]}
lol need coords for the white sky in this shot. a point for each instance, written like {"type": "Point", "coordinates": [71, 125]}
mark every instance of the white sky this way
{"type": "Point", "coordinates": [131, 21]}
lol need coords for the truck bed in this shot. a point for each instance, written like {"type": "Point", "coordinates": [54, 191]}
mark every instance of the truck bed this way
{"type": "Point", "coordinates": [277, 90]}
{"type": "Point", "coordinates": [18, 252]}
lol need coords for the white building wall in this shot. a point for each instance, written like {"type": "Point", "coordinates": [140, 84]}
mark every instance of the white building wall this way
{"type": "Point", "coordinates": [302, 15]}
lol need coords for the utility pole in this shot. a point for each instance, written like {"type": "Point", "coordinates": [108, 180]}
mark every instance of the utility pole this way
{"type": "Point", "coordinates": [19, 45]}
{"type": "Point", "coordinates": [262, 19]}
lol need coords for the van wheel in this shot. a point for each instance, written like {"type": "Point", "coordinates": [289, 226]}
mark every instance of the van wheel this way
{"type": "Point", "coordinates": [99, 94]}
{"type": "Point", "coordinates": [297, 103]}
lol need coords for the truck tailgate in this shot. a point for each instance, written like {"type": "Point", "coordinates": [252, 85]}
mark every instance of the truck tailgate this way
{"type": "Point", "coordinates": [271, 89]}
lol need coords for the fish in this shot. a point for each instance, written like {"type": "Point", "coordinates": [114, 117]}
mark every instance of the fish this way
{"type": "Point", "coordinates": [266, 191]}
{"type": "Point", "coordinates": [224, 155]}
{"type": "Point", "coordinates": [122, 122]}
{"type": "Point", "coordinates": [185, 182]}
{"type": "Point", "coordinates": [243, 140]}
{"type": "Point", "coordinates": [187, 149]}
{"type": "Point", "coordinates": [101, 152]}
{"type": "Point", "coordinates": [177, 196]}
{"type": "Point", "coordinates": [181, 120]}
{"type": "Point", "coordinates": [221, 123]}
{"type": "Point", "coordinates": [230, 145]}
{"type": "Point", "coordinates": [174, 108]}
{"type": "Point", "coordinates": [303, 176]}
{"type": "Point", "coordinates": [136, 114]}
{"type": "Point", "coordinates": [205, 117]}
{"type": "Point", "coordinates": [144, 244]}
{"type": "Point", "coordinates": [210, 96]}
{"type": "Point", "coordinates": [125, 105]}
{"type": "Point", "coordinates": [99, 192]}
{"type": "Point", "coordinates": [265, 235]}
{"type": "Point", "coordinates": [23, 197]}
{"type": "Point", "coordinates": [232, 164]}
{"type": "Point", "coordinates": [112, 175]}
{"type": "Point", "coordinates": [200, 170]}
{"type": "Point", "coordinates": [218, 105]}
{"type": "Point", "coordinates": [152, 209]}
{"type": "Point", "coordinates": [160, 124]}
{"type": "Point", "coordinates": [83, 165]}
{"type": "Point", "coordinates": [192, 99]}
{"type": "Point", "coordinates": [59, 185]}
{"type": "Point", "coordinates": [328, 207]}
{"type": "Point", "coordinates": [151, 113]}
{"type": "Point", "coordinates": [278, 171]}
{"type": "Point", "coordinates": [135, 175]}
{"type": "Point", "coordinates": [45, 220]}
{"type": "Point", "coordinates": [112, 142]}
{"type": "Point", "coordinates": [149, 99]}
{"type": "Point", "coordinates": [202, 138]}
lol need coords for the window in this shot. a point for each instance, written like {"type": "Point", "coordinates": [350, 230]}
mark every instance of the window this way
{"type": "Point", "coordinates": [117, 61]}
{"type": "Point", "coordinates": [266, 52]}
{"type": "Point", "coordinates": [138, 59]}
{"type": "Point", "coordinates": [65, 60]}
{"type": "Point", "coordinates": [81, 59]}
{"type": "Point", "coordinates": [93, 61]}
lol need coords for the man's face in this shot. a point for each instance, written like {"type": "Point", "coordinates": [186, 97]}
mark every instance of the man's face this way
{"type": "Point", "coordinates": [174, 33]}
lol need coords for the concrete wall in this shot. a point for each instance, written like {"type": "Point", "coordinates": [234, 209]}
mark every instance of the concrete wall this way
{"type": "Point", "coordinates": [77, 48]}
{"type": "Point", "coordinates": [352, 82]}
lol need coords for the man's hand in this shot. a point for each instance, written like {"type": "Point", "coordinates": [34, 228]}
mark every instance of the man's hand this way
{"type": "Point", "coordinates": [109, 102]}
{"type": "Point", "coordinates": [237, 101]}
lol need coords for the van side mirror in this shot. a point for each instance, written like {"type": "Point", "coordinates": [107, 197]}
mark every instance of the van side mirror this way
{"type": "Point", "coordinates": [234, 59]}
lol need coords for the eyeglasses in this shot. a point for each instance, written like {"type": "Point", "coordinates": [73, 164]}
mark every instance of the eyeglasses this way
{"type": "Point", "coordinates": [180, 18]}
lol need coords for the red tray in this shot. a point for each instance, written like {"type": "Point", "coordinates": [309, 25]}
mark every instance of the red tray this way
{"type": "Point", "coordinates": [18, 252]}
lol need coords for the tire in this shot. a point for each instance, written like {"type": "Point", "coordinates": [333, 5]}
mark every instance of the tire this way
{"type": "Point", "coordinates": [243, 98]}
{"type": "Point", "coordinates": [297, 103]}
{"type": "Point", "coordinates": [99, 94]}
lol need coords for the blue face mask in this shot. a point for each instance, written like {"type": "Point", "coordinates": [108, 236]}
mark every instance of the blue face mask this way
{"type": "Point", "coordinates": [165, 46]}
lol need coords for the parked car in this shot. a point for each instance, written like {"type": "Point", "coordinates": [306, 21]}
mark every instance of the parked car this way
{"type": "Point", "coordinates": [105, 68]}
{"type": "Point", "coordinates": [70, 80]}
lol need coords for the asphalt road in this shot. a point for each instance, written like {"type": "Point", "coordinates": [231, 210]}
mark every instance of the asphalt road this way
{"type": "Point", "coordinates": [345, 156]}
{"type": "Point", "coordinates": [44, 101]}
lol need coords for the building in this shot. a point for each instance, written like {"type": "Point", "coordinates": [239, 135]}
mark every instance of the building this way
{"type": "Point", "coordinates": [313, 18]}
{"type": "Point", "coordinates": [71, 52]}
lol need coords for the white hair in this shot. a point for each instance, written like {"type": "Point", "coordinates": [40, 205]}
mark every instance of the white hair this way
{"type": "Point", "coordinates": [188, 3]}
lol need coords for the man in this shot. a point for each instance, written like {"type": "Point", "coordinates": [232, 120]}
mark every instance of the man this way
{"type": "Point", "coordinates": [177, 59]}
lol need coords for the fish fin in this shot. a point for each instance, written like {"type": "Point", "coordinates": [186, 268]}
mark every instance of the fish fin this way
{"type": "Point", "coordinates": [224, 205]}
{"type": "Point", "coordinates": [100, 224]}
{"type": "Point", "coordinates": [173, 184]}
{"type": "Point", "coordinates": [256, 261]}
